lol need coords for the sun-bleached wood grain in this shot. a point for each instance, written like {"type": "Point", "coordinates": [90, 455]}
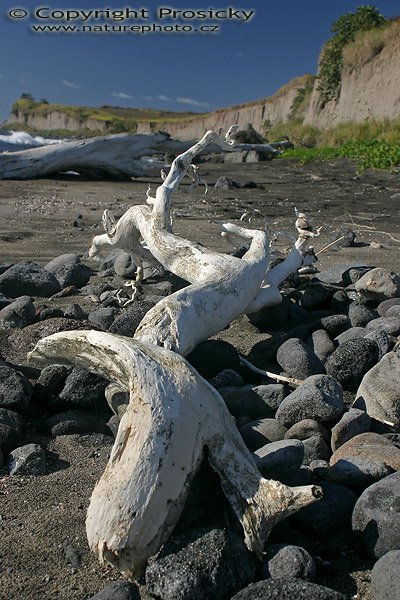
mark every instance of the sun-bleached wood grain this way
{"type": "Point", "coordinates": [172, 415]}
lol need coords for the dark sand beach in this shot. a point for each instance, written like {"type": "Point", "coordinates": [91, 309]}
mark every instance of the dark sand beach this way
{"type": "Point", "coordinates": [44, 218]}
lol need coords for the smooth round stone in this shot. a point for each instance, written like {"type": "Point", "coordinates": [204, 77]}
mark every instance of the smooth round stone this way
{"type": "Point", "coordinates": [382, 339]}
{"type": "Point", "coordinates": [370, 446]}
{"type": "Point", "coordinates": [330, 514]}
{"type": "Point", "coordinates": [307, 428]}
{"type": "Point", "coordinates": [287, 561]}
{"type": "Point", "coordinates": [379, 284]}
{"type": "Point", "coordinates": [298, 360]}
{"type": "Point", "coordinates": [319, 398]}
{"type": "Point", "coordinates": [287, 589]}
{"type": "Point", "coordinates": [354, 333]}
{"type": "Point", "coordinates": [315, 448]}
{"type": "Point", "coordinates": [352, 423]}
{"type": "Point", "coordinates": [386, 304]}
{"type": "Point", "coordinates": [69, 270]}
{"type": "Point", "coordinates": [376, 518]}
{"type": "Point", "coordinates": [357, 473]}
{"type": "Point", "coordinates": [351, 360]}
{"type": "Point", "coordinates": [321, 344]}
{"type": "Point", "coordinates": [360, 314]}
{"type": "Point", "coordinates": [385, 576]}
{"type": "Point", "coordinates": [256, 402]}
{"type": "Point", "coordinates": [379, 391]}
{"type": "Point", "coordinates": [280, 460]}
{"type": "Point", "coordinates": [391, 325]}
{"type": "Point", "coordinates": [393, 311]}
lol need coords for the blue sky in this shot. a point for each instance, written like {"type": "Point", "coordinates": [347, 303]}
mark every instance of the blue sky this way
{"type": "Point", "coordinates": [244, 61]}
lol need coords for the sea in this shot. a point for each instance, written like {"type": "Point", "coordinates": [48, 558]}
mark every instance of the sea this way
{"type": "Point", "coordinates": [13, 141]}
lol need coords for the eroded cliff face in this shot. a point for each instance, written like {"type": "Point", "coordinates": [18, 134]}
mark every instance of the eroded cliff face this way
{"type": "Point", "coordinates": [370, 85]}
{"type": "Point", "coordinates": [275, 109]}
{"type": "Point", "coordinates": [370, 89]}
{"type": "Point", "coordinates": [55, 121]}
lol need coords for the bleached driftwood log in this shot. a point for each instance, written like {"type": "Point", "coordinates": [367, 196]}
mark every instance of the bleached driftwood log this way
{"type": "Point", "coordinates": [173, 413]}
{"type": "Point", "coordinates": [113, 155]}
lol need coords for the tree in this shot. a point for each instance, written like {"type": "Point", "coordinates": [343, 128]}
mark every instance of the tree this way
{"type": "Point", "coordinates": [25, 96]}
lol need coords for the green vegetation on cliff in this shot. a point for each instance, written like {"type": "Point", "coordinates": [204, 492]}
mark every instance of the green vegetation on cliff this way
{"type": "Point", "coordinates": [111, 119]}
{"type": "Point", "coordinates": [345, 28]}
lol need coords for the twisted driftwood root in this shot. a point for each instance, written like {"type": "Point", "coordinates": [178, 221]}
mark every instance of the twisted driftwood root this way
{"type": "Point", "coordinates": [173, 413]}
{"type": "Point", "coordinates": [220, 283]}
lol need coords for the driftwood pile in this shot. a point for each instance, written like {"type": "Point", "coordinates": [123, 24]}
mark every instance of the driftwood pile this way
{"type": "Point", "coordinates": [173, 413]}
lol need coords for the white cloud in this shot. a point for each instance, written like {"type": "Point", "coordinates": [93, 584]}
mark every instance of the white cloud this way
{"type": "Point", "coordinates": [165, 98]}
{"type": "Point", "coordinates": [146, 97]}
{"type": "Point", "coordinates": [69, 84]}
{"type": "Point", "coordinates": [122, 95]}
{"type": "Point", "coordinates": [192, 102]}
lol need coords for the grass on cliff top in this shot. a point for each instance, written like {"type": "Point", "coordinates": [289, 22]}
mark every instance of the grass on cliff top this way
{"type": "Point", "coordinates": [369, 44]}
{"type": "Point", "coordinates": [118, 120]}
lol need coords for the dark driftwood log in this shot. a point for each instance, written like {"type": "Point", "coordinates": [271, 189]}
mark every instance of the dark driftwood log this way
{"type": "Point", "coordinates": [112, 156]}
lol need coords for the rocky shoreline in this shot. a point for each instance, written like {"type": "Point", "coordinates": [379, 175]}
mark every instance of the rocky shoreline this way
{"type": "Point", "coordinates": [338, 331]}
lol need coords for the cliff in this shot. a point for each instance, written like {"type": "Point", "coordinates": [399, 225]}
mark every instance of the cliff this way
{"type": "Point", "coordinates": [369, 89]}
{"type": "Point", "coordinates": [52, 118]}
{"type": "Point", "coordinates": [370, 81]}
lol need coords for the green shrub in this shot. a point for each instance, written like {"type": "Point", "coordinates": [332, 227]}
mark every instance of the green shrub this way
{"type": "Point", "coordinates": [345, 29]}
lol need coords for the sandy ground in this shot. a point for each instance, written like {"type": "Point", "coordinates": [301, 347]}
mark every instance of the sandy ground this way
{"type": "Point", "coordinates": [42, 219]}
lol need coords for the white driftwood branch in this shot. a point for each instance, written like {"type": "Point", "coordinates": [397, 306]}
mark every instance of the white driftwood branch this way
{"type": "Point", "coordinates": [269, 294]}
{"type": "Point", "coordinates": [293, 382]}
{"type": "Point", "coordinates": [125, 235]}
{"type": "Point", "coordinates": [173, 413]}
{"type": "Point", "coordinates": [221, 285]}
